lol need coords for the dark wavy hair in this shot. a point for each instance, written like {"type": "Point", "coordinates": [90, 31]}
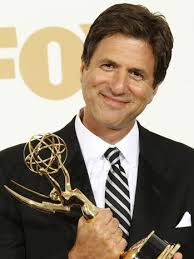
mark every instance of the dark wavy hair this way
{"type": "Point", "coordinates": [133, 21]}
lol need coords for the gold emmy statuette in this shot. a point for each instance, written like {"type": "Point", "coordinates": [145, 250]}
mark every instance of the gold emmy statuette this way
{"type": "Point", "coordinates": [45, 155]}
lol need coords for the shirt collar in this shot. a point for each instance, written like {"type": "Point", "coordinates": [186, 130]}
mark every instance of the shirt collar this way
{"type": "Point", "coordinates": [93, 147]}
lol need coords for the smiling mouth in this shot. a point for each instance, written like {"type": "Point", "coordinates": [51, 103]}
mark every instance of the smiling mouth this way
{"type": "Point", "coordinates": [114, 100]}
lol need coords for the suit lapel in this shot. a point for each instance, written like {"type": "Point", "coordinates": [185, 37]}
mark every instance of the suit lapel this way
{"type": "Point", "coordinates": [75, 163]}
{"type": "Point", "coordinates": [151, 196]}
{"type": "Point", "coordinates": [144, 215]}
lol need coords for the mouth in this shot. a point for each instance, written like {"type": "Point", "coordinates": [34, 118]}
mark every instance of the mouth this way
{"type": "Point", "coordinates": [114, 101]}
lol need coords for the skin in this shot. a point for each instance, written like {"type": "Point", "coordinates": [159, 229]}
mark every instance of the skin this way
{"type": "Point", "coordinates": [103, 235]}
{"type": "Point", "coordinates": [109, 84]}
{"type": "Point", "coordinates": [117, 85]}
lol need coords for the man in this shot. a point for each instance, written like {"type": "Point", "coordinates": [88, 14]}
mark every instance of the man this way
{"type": "Point", "coordinates": [126, 54]}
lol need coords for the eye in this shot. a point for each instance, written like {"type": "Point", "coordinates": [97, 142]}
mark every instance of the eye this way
{"type": "Point", "coordinates": [136, 75]}
{"type": "Point", "coordinates": [107, 66]}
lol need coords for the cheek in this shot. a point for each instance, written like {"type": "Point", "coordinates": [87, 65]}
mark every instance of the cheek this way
{"type": "Point", "coordinates": [97, 78]}
{"type": "Point", "coordinates": [143, 94]}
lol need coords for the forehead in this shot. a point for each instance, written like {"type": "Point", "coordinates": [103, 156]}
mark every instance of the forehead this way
{"type": "Point", "coordinates": [124, 49]}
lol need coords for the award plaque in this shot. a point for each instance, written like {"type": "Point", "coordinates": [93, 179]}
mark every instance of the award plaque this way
{"type": "Point", "coordinates": [46, 155]}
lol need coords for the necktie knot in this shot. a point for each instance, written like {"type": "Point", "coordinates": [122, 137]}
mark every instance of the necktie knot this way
{"type": "Point", "coordinates": [112, 155]}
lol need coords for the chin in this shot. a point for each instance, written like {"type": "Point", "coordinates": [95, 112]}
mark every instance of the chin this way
{"type": "Point", "coordinates": [119, 124]}
{"type": "Point", "coordinates": [114, 125]}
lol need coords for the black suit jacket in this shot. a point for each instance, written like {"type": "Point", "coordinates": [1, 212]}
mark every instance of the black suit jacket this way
{"type": "Point", "coordinates": [164, 193]}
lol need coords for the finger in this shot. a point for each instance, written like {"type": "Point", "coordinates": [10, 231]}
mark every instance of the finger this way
{"type": "Point", "coordinates": [117, 236]}
{"type": "Point", "coordinates": [178, 256]}
{"type": "Point", "coordinates": [123, 244]}
{"type": "Point", "coordinates": [113, 225]}
{"type": "Point", "coordinates": [113, 231]}
{"type": "Point", "coordinates": [81, 221]}
{"type": "Point", "coordinates": [104, 215]}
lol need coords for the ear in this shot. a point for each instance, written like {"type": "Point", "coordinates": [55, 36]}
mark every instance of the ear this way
{"type": "Point", "coordinates": [155, 90]}
{"type": "Point", "coordinates": [82, 67]}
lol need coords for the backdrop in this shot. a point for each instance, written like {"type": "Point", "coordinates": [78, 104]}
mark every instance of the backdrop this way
{"type": "Point", "coordinates": [40, 48]}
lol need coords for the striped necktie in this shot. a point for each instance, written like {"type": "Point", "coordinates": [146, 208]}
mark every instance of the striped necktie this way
{"type": "Point", "coordinates": [117, 191]}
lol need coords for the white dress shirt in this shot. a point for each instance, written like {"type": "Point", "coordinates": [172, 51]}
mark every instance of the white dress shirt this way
{"type": "Point", "coordinates": [93, 149]}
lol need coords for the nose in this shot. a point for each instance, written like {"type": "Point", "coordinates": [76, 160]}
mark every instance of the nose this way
{"type": "Point", "coordinates": [119, 82]}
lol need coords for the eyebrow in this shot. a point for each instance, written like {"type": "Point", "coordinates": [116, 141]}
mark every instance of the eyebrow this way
{"type": "Point", "coordinates": [107, 60]}
{"type": "Point", "coordinates": [115, 64]}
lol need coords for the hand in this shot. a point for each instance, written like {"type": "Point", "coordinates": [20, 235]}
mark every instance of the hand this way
{"type": "Point", "coordinates": [100, 237]}
{"type": "Point", "coordinates": [178, 256]}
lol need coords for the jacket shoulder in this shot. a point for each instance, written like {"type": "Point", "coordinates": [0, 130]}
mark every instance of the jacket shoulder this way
{"type": "Point", "coordinates": [163, 143]}
{"type": "Point", "coordinates": [11, 155]}
{"type": "Point", "coordinates": [167, 154]}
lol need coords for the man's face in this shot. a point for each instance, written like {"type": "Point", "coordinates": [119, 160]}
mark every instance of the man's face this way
{"type": "Point", "coordinates": [117, 84]}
